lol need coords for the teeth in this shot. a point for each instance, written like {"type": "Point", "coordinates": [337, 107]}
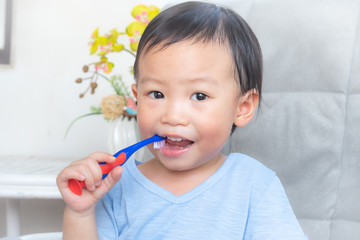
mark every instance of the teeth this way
{"type": "Point", "coordinates": [175, 139]}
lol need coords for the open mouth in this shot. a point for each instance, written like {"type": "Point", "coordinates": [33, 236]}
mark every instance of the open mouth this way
{"type": "Point", "coordinates": [174, 146]}
{"type": "Point", "coordinates": [177, 143]}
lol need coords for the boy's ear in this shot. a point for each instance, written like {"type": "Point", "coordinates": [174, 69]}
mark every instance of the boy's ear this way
{"type": "Point", "coordinates": [246, 108]}
{"type": "Point", "coordinates": [134, 90]}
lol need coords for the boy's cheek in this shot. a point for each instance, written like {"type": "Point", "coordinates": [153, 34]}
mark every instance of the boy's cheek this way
{"type": "Point", "coordinates": [145, 122]}
{"type": "Point", "coordinates": [216, 128]}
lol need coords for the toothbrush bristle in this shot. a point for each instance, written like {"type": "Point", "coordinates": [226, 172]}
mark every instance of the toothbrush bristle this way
{"type": "Point", "coordinates": [159, 144]}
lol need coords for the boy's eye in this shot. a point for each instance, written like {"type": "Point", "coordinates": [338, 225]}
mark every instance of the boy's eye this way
{"type": "Point", "coordinates": [156, 94]}
{"type": "Point", "coordinates": [199, 96]}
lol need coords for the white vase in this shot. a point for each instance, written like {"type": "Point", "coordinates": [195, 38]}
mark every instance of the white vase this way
{"type": "Point", "coordinates": [123, 133]}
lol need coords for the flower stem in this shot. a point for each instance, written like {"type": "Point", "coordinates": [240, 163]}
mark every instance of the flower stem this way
{"type": "Point", "coordinates": [73, 121]}
{"type": "Point", "coordinates": [102, 75]}
{"type": "Point", "coordinates": [131, 52]}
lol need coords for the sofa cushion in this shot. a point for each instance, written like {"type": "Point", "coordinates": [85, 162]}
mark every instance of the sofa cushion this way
{"type": "Point", "coordinates": [308, 126]}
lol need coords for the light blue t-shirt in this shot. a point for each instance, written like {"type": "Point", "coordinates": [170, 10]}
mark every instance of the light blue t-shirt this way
{"type": "Point", "coordinates": [242, 200]}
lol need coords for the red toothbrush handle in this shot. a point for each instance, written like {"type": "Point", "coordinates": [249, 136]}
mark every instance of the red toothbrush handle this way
{"type": "Point", "coordinates": [76, 186]}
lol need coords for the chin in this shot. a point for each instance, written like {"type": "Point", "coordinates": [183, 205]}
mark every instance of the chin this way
{"type": "Point", "coordinates": [176, 167]}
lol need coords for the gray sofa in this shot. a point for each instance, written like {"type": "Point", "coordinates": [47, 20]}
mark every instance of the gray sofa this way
{"type": "Point", "coordinates": [308, 126]}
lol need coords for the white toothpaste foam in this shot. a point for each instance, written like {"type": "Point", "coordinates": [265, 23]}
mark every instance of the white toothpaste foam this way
{"type": "Point", "coordinates": [159, 144]}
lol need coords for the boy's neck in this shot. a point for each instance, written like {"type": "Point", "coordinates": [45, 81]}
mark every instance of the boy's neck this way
{"type": "Point", "coordinates": [179, 182]}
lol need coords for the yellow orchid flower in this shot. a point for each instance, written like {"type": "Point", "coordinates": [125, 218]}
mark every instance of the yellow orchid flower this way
{"type": "Point", "coordinates": [93, 48]}
{"type": "Point", "coordinates": [105, 44]}
{"type": "Point", "coordinates": [97, 41]}
{"type": "Point", "coordinates": [144, 13]}
{"type": "Point", "coordinates": [118, 48]}
{"type": "Point", "coordinates": [133, 45]}
{"type": "Point", "coordinates": [140, 13]}
{"type": "Point", "coordinates": [108, 68]}
{"type": "Point", "coordinates": [95, 34]}
{"type": "Point", "coordinates": [112, 42]}
{"type": "Point", "coordinates": [104, 65]}
{"type": "Point", "coordinates": [102, 41]}
{"type": "Point", "coordinates": [113, 35]}
{"type": "Point", "coordinates": [153, 12]}
{"type": "Point", "coordinates": [105, 49]}
{"type": "Point", "coordinates": [93, 43]}
{"type": "Point", "coordinates": [134, 30]}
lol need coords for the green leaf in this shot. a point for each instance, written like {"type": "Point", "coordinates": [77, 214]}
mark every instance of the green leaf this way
{"type": "Point", "coordinates": [119, 86]}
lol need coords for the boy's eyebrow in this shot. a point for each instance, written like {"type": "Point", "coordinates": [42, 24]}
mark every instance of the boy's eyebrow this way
{"type": "Point", "coordinates": [204, 79]}
{"type": "Point", "coordinates": [146, 79]}
{"type": "Point", "coordinates": [207, 79]}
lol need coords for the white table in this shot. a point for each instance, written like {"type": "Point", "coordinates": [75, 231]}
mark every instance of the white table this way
{"type": "Point", "coordinates": [27, 178]}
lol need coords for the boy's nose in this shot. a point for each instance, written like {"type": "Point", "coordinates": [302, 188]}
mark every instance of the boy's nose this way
{"type": "Point", "coordinates": [175, 114]}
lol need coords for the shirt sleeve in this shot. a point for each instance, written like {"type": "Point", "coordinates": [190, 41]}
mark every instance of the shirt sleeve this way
{"type": "Point", "coordinates": [105, 219]}
{"type": "Point", "coordinates": [272, 218]}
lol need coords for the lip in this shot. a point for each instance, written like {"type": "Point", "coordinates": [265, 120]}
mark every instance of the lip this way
{"type": "Point", "coordinates": [174, 151]}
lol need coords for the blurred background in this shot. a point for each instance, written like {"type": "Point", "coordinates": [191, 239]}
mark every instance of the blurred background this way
{"type": "Point", "coordinates": [38, 94]}
{"type": "Point", "coordinates": [310, 47]}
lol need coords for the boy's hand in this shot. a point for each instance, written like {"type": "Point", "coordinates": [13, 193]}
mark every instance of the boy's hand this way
{"type": "Point", "coordinates": [89, 171]}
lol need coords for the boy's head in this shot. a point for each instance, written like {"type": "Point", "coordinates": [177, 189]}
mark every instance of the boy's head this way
{"type": "Point", "coordinates": [205, 22]}
{"type": "Point", "coordinates": [198, 73]}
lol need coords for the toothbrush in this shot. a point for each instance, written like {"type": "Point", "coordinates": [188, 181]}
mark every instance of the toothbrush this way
{"type": "Point", "coordinates": [121, 157]}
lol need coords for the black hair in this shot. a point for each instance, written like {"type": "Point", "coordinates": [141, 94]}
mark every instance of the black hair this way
{"type": "Point", "coordinates": [206, 22]}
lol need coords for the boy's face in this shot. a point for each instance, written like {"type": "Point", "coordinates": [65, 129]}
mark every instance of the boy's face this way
{"type": "Point", "coordinates": [187, 92]}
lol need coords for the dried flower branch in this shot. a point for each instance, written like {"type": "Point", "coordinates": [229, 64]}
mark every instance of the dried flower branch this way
{"type": "Point", "coordinates": [121, 103]}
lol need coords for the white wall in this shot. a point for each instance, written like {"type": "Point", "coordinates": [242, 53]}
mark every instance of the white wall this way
{"type": "Point", "coordinates": [38, 95]}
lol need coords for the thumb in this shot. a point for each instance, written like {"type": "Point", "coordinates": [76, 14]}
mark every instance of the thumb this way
{"type": "Point", "coordinates": [109, 182]}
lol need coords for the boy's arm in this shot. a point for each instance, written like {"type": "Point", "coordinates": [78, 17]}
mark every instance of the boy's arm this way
{"type": "Point", "coordinates": [79, 225]}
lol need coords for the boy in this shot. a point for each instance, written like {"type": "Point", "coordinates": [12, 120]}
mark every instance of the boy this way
{"type": "Point", "coordinates": [198, 75]}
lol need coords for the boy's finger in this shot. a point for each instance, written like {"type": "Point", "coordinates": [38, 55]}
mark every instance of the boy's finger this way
{"type": "Point", "coordinates": [69, 173]}
{"type": "Point", "coordinates": [112, 178]}
{"type": "Point", "coordinates": [102, 157]}
{"type": "Point", "coordinates": [86, 171]}
{"type": "Point", "coordinates": [96, 172]}
{"type": "Point", "coordinates": [63, 178]}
